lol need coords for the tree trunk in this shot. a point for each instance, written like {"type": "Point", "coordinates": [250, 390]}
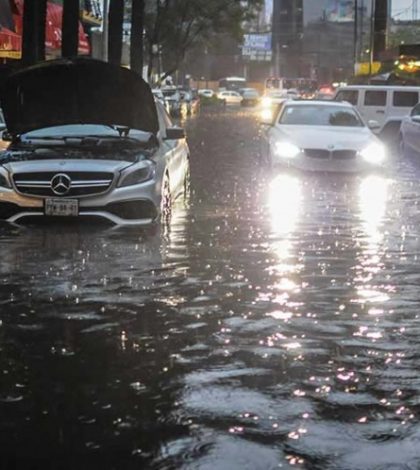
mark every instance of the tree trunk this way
{"type": "Point", "coordinates": [136, 40]}
{"type": "Point", "coordinates": [33, 41]}
{"type": "Point", "coordinates": [115, 18]}
{"type": "Point", "coordinates": [70, 42]}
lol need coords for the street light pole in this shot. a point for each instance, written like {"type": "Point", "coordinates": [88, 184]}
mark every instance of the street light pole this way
{"type": "Point", "coordinates": [355, 31]}
{"type": "Point", "coordinates": [372, 38]}
{"type": "Point", "coordinates": [105, 30]}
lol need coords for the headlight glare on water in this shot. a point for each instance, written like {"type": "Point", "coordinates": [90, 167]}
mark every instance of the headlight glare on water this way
{"type": "Point", "coordinates": [374, 153]}
{"type": "Point", "coordinates": [286, 150]}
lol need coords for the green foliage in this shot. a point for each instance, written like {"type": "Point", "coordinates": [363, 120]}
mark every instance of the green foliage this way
{"type": "Point", "coordinates": [175, 26]}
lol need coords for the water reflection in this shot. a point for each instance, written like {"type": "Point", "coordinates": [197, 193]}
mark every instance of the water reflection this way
{"type": "Point", "coordinates": [373, 195]}
{"type": "Point", "coordinates": [285, 202]}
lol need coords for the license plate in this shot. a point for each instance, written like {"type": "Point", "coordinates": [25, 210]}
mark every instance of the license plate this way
{"type": "Point", "coordinates": [61, 207]}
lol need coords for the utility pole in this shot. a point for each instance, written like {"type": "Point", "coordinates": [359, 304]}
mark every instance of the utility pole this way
{"type": "Point", "coordinates": [115, 31]}
{"type": "Point", "coordinates": [70, 41]}
{"type": "Point", "coordinates": [372, 36]}
{"type": "Point", "coordinates": [355, 37]}
{"type": "Point", "coordinates": [33, 41]}
{"type": "Point", "coordinates": [136, 39]}
{"type": "Point", "coordinates": [105, 30]}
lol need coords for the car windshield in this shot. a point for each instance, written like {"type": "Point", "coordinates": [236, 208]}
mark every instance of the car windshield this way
{"type": "Point", "coordinates": [77, 130]}
{"type": "Point", "coordinates": [316, 115]}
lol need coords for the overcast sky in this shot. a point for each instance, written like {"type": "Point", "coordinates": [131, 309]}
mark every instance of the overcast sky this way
{"type": "Point", "coordinates": [398, 7]}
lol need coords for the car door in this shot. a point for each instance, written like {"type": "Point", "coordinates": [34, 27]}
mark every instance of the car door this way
{"type": "Point", "coordinates": [402, 102]}
{"type": "Point", "coordinates": [374, 106]}
{"type": "Point", "coordinates": [175, 154]}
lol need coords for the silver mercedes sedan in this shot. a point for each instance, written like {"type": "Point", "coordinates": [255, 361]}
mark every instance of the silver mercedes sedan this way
{"type": "Point", "coordinates": [88, 139]}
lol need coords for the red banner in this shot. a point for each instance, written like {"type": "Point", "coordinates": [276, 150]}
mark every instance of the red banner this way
{"type": "Point", "coordinates": [53, 30]}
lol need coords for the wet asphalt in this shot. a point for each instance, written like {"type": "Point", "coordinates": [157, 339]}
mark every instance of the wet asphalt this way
{"type": "Point", "coordinates": [274, 322]}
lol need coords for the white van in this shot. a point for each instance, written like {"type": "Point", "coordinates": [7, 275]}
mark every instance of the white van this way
{"type": "Point", "coordinates": [387, 105]}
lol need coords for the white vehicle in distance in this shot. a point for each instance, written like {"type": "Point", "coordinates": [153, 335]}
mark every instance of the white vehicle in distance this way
{"type": "Point", "coordinates": [275, 97]}
{"type": "Point", "coordinates": [206, 92]}
{"type": "Point", "coordinates": [321, 136]}
{"type": "Point", "coordinates": [409, 138]}
{"type": "Point", "coordinates": [230, 97]}
{"type": "Point", "coordinates": [387, 105]}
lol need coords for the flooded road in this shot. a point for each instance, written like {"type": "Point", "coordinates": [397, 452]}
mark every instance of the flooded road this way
{"type": "Point", "coordinates": [273, 324]}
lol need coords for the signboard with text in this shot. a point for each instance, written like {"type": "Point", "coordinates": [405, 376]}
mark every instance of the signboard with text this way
{"type": "Point", "coordinates": [257, 46]}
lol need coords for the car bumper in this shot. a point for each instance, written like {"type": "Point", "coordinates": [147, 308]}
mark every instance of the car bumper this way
{"type": "Point", "coordinates": [356, 165]}
{"type": "Point", "coordinates": [132, 205]}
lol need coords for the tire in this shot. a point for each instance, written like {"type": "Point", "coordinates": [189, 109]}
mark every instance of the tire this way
{"type": "Point", "coordinates": [166, 200]}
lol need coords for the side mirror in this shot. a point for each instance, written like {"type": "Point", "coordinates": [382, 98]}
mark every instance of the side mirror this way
{"type": "Point", "coordinates": [6, 136]}
{"type": "Point", "coordinates": [373, 125]}
{"type": "Point", "coordinates": [175, 133]}
{"type": "Point", "coordinates": [416, 119]}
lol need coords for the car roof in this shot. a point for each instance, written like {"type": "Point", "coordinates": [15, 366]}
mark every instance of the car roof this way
{"type": "Point", "coordinates": [319, 102]}
{"type": "Point", "coordinates": [380, 87]}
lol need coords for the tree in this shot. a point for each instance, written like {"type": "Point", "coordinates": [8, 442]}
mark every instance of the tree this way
{"type": "Point", "coordinates": [115, 19]}
{"type": "Point", "coordinates": [70, 41]}
{"type": "Point", "coordinates": [136, 39]}
{"type": "Point", "coordinates": [33, 41]}
{"type": "Point", "coordinates": [175, 26]}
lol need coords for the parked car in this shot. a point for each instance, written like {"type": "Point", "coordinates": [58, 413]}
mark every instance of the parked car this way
{"type": "Point", "coordinates": [206, 93]}
{"type": "Point", "coordinates": [191, 100]}
{"type": "Point", "coordinates": [250, 96]}
{"type": "Point", "coordinates": [176, 106]}
{"type": "Point", "coordinates": [82, 147]}
{"type": "Point", "coordinates": [321, 136]}
{"type": "Point", "coordinates": [409, 138]}
{"type": "Point", "coordinates": [386, 104]}
{"type": "Point", "coordinates": [157, 93]}
{"type": "Point", "coordinates": [230, 97]}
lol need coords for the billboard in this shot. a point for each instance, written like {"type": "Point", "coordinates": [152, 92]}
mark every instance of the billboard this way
{"type": "Point", "coordinates": [340, 11]}
{"type": "Point", "coordinates": [258, 42]}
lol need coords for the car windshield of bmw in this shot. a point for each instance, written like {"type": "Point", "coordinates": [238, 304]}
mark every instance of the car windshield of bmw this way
{"type": "Point", "coordinates": [320, 115]}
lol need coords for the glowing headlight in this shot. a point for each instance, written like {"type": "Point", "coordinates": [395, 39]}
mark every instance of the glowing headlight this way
{"type": "Point", "coordinates": [374, 153]}
{"type": "Point", "coordinates": [266, 102]}
{"type": "Point", "coordinates": [286, 150]}
{"type": "Point", "coordinates": [140, 175]}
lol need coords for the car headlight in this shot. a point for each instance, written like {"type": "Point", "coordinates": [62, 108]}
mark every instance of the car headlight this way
{"type": "Point", "coordinates": [4, 181]}
{"type": "Point", "coordinates": [374, 153]}
{"type": "Point", "coordinates": [140, 175]}
{"type": "Point", "coordinates": [286, 150]}
{"type": "Point", "coordinates": [266, 102]}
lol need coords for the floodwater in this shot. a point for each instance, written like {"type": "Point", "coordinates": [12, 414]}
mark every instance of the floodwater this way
{"type": "Point", "coordinates": [274, 323]}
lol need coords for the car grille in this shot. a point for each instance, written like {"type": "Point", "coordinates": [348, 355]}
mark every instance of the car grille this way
{"type": "Point", "coordinates": [82, 183]}
{"type": "Point", "coordinates": [343, 154]}
{"type": "Point", "coordinates": [317, 153]}
{"type": "Point", "coordinates": [333, 154]}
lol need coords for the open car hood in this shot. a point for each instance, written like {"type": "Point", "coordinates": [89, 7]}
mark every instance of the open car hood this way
{"type": "Point", "coordinates": [77, 91]}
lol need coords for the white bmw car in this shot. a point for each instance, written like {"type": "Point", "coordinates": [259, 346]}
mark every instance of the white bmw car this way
{"type": "Point", "coordinates": [321, 136]}
{"type": "Point", "coordinates": [88, 139]}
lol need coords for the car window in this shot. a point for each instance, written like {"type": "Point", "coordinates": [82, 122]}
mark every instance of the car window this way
{"type": "Point", "coordinates": [415, 111]}
{"type": "Point", "coordinates": [375, 98]}
{"type": "Point", "coordinates": [350, 96]}
{"type": "Point", "coordinates": [405, 98]}
{"type": "Point", "coordinates": [315, 115]}
{"type": "Point", "coordinates": [163, 116]}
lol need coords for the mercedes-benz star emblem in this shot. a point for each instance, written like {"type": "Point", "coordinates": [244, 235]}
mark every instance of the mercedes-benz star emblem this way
{"type": "Point", "coordinates": [60, 184]}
